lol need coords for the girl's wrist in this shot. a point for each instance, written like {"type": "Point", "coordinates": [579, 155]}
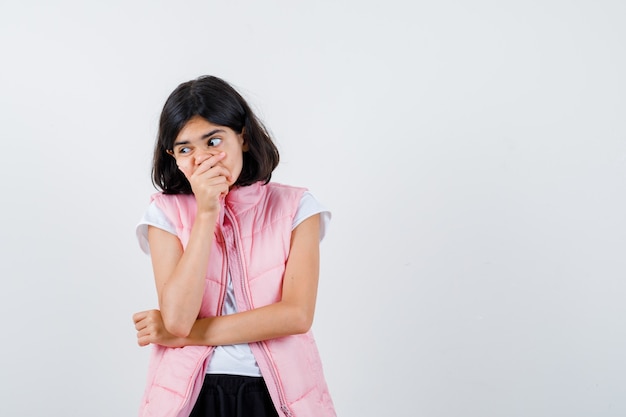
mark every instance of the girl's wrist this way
{"type": "Point", "coordinates": [209, 216]}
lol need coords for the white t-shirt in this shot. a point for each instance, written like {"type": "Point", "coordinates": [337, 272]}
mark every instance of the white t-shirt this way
{"type": "Point", "coordinates": [231, 359]}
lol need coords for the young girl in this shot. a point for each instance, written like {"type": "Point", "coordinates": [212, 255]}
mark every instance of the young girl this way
{"type": "Point", "coordinates": [236, 265]}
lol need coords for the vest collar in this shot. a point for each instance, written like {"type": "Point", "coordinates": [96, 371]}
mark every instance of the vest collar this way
{"type": "Point", "coordinates": [240, 198]}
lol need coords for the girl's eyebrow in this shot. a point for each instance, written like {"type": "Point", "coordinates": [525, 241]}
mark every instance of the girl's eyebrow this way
{"type": "Point", "coordinates": [206, 135]}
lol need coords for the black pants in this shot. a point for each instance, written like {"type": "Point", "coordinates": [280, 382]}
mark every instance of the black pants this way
{"type": "Point", "coordinates": [233, 396]}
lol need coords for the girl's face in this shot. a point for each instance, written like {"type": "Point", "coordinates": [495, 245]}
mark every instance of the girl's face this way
{"type": "Point", "coordinates": [200, 139]}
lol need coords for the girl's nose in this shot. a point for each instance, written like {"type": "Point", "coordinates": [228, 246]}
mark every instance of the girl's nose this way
{"type": "Point", "coordinates": [201, 156]}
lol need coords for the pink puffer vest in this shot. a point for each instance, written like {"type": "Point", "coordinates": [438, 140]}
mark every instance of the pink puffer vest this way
{"type": "Point", "coordinates": [253, 237]}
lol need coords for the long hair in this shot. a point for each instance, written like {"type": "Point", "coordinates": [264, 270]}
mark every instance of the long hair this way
{"type": "Point", "coordinates": [219, 103]}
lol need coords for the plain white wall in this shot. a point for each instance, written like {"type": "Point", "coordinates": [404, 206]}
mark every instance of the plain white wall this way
{"type": "Point", "coordinates": [473, 154]}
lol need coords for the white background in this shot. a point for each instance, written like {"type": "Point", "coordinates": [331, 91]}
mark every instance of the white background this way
{"type": "Point", "coordinates": [473, 154]}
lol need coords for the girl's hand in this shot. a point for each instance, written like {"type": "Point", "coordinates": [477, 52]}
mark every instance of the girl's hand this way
{"type": "Point", "coordinates": [150, 329]}
{"type": "Point", "coordinates": [209, 181]}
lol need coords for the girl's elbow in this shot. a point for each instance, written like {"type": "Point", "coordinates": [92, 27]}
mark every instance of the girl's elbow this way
{"type": "Point", "coordinates": [302, 322]}
{"type": "Point", "coordinates": [182, 332]}
{"type": "Point", "coordinates": [178, 328]}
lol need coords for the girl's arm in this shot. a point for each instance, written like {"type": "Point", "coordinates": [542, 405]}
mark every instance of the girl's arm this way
{"type": "Point", "coordinates": [179, 275]}
{"type": "Point", "coordinates": [293, 314]}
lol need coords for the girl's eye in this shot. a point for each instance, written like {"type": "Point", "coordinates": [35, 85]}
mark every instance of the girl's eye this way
{"type": "Point", "coordinates": [214, 141]}
{"type": "Point", "coordinates": [183, 150]}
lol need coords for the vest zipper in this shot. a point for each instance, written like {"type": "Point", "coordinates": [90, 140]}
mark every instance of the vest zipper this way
{"type": "Point", "coordinates": [192, 384]}
{"type": "Point", "coordinates": [223, 277]}
{"type": "Point", "coordinates": [238, 257]}
{"type": "Point", "coordinates": [220, 307]}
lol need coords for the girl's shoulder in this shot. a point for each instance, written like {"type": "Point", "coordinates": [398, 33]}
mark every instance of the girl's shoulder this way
{"type": "Point", "coordinates": [282, 186]}
{"type": "Point", "coordinates": [172, 198]}
{"type": "Point", "coordinates": [177, 207]}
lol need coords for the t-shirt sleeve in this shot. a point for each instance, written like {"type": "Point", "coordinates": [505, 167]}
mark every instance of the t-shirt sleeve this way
{"type": "Point", "coordinates": [308, 207]}
{"type": "Point", "coordinates": [153, 216]}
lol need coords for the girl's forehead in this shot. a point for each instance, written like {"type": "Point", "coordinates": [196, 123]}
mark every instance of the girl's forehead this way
{"type": "Point", "coordinates": [198, 128]}
{"type": "Point", "coordinates": [196, 121]}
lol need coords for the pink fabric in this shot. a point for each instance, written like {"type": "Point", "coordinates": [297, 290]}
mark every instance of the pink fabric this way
{"type": "Point", "coordinates": [253, 237]}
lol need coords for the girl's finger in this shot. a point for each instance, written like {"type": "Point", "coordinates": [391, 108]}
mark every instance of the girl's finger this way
{"type": "Point", "coordinates": [143, 342]}
{"type": "Point", "coordinates": [137, 317]}
{"type": "Point", "coordinates": [209, 165]}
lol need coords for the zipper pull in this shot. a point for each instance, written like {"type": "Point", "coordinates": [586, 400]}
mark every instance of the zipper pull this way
{"type": "Point", "coordinates": [286, 410]}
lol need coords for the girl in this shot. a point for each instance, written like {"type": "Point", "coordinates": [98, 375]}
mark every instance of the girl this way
{"type": "Point", "coordinates": [236, 264]}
